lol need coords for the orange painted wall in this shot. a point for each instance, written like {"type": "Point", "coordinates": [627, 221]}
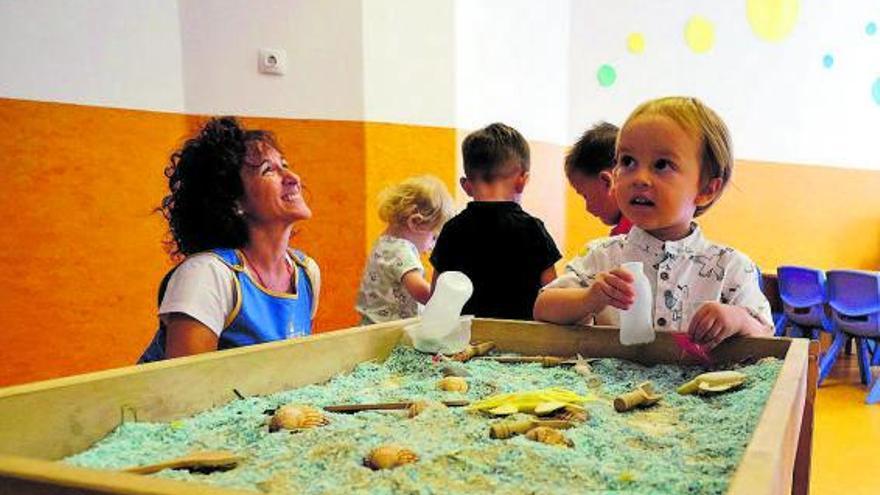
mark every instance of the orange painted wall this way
{"type": "Point", "coordinates": [82, 249]}
{"type": "Point", "coordinates": [395, 152]}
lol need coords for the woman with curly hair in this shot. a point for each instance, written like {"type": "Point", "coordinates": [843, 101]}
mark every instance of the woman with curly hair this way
{"type": "Point", "coordinates": [231, 209]}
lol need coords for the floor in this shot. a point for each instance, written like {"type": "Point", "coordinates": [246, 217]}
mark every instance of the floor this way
{"type": "Point", "coordinates": [846, 436]}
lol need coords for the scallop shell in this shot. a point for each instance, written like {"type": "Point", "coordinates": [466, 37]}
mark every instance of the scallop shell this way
{"type": "Point", "coordinates": [545, 434]}
{"type": "Point", "coordinates": [453, 384]}
{"type": "Point", "coordinates": [389, 456]}
{"type": "Point", "coordinates": [296, 416]}
{"type": "Point", "coordinates": [419, 407]}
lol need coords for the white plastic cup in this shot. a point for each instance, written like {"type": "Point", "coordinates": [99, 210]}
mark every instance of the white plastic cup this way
{"type": "Point", "coordinates": [442, 328]}
{"type": "Point", "coordinates": [451, 292]}
{"type": "Point", "coordinates": [636, 325]}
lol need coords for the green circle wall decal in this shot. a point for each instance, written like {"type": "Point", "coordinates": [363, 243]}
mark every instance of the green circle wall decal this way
{"type": "Point", "coordinates": [606, 75]}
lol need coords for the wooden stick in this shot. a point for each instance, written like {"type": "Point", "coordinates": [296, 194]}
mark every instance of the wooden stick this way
{"type": "Point", "coordinates": [208, 459]}
{"type": "Point", "coordinates": [353, 408]}
{"type": "Point", "coordinates": [546, 361]}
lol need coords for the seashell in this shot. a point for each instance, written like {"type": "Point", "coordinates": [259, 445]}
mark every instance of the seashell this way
{"type": "Point", "coordinates": [474, 350]}
{"type": "Point", "coordinates": [508, 429]}
{"type": "Point", "coordinates": [504, 410]}
{"type": "Point", "coordinates": [583, 369]}
{"type": "Point", "coordinates": [449, 369]}
{"type": "Point", "coordinates": [548, 407]}
{"type": "Point", "coordinates": [389, 456]}
{"type": "Point", "coordinates": [714, 382]}
{"type": "Point", "coordinates": [296, 416]}
{"type": "Point", "coordinates": [550, 436]}
{"type": "Point", "coordinates": [453, 384]}
{"type": "Point", "coordinates": [641, 396]}
{"type": "Point", "coordinates": [573, 413]}
{"type": "Point", "coordinates": [420, 406]}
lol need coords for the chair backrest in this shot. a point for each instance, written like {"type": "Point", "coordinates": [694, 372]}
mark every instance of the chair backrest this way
{"type": "Point", "coordinates": [800, 286]}
{"type": "Point", "coordinates": [854, 292]}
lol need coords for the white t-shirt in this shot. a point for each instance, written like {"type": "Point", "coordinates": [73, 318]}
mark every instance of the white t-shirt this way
{"type": "Point", "coordinates": [682, 274]}
{"type": "Point", "coordinates": [382, 296]}
{"type": "Point", "coordinates": [203, 287]}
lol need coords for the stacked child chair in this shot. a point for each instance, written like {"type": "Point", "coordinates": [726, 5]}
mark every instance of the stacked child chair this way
{"type": "Point", "coordinates": [802, 291]}
{"type": "Point", "coordinates": [845, 303]}
{"type": "Point", "coordinates": [854, 298]}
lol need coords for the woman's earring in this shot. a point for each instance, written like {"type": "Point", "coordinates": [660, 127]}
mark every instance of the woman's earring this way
{"type": "Point", "coordinates": [238, 211]}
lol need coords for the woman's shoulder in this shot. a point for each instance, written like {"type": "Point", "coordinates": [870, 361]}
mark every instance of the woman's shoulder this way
{"type": "Point", "coordinates": [207, 260]}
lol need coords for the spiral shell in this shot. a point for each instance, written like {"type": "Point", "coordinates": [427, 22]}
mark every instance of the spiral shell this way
{"type": "Point", "coordinates": [508, 429]}
{"type": "Point", "coordinates": [296, 416]}
{"type": "Point", "coordinates": [545, 434]}
{"type": "Point", "coordinates": [389, 456]}
{"type": "Point", "coordinates": [421, 406]}
{"type": "Point", "coordinates": [453, 384]}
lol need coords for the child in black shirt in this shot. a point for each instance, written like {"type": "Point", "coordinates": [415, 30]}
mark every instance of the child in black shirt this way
{"type": "Point", "coordinates": [507, 253]}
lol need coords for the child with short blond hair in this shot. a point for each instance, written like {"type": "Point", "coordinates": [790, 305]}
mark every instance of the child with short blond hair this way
{"type": "Point", "coordinates": [394, 284]}
{"type": "Point", "coordinates": [673, 161]}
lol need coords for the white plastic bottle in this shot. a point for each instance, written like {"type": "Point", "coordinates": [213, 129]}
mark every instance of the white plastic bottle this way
{"type": "Point", "coordinates": [636, 325]}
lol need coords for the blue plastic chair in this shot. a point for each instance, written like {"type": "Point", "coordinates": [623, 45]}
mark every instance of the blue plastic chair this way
{"type": "Point", "coordinates": [803, 295]}
{"type": "Point", "coordinates": [854, 297]}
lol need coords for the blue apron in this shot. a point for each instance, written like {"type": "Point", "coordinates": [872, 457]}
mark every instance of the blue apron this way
{"type": "Point", "coordinates": [259, 315]}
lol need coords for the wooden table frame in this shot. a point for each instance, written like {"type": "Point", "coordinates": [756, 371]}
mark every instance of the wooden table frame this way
{"type": "Point", "coordinates": [45, 421]}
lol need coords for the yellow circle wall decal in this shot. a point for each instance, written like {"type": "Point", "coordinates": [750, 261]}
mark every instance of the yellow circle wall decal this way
{"type": "Point", "coordinates": [772, 20]}
{"type": "Point", "coordinates": [635, 43]}
{"type": "Point", "coordinates": [699, 33]}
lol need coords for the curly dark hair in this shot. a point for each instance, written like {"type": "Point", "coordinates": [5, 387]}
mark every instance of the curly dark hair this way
{"type": "Point", "coordinates": [205, 186]}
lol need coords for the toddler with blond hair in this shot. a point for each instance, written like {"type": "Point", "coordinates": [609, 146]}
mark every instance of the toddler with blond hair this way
{"type": "Point", "coordinates": [394, 284]}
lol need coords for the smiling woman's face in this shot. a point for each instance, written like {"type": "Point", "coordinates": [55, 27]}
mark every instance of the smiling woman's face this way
{"type": "Point", "coordinates": [272, 191]}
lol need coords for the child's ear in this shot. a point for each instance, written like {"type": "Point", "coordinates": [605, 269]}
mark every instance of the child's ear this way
{"type": "Point", "coordinates": [520, 182]}
{"type": "Point", "coordinates": [708, 193]}
{"type": "Point", "coordinates": [467, 186]}
{"type": "Point", "coordinates": [607, 179]}
{"type": "Point", "coordinates": [413, 223]}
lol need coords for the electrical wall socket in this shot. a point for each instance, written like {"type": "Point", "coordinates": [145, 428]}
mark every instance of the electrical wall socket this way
{"type": "Point", "coordinates": [272, 61]}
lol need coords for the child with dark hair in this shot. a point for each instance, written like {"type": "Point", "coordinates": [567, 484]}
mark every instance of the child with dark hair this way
{"type": "Point", "coordinates": [507, 253]}
{"type": "Point", "coordinates": [589, 167]}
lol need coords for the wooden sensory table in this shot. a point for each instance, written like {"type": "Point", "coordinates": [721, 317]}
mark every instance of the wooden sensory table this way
{"type": "Point", "coordinates": [46, 421]}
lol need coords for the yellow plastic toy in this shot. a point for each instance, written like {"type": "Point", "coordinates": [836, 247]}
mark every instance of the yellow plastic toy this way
{"type": "Point", "coordinates": [714, 382]}
{"type": "Point", "coordinates": [536, 402]}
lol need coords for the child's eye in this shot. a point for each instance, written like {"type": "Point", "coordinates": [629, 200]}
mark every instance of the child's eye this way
{"type": "Point", "coordinates": [626, 161]}
{"type": "Point", "coordinates": [663, 165]}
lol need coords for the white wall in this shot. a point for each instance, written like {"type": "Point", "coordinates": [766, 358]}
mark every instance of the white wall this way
{"type": "Point", "coordinates": [778, 99]}
{"type": "Point", "coordinates": [323, 40]}
{"type": "Point", "coordinates": [409, 64]}
{"type": "Point", "coordinates": [95, 52]}
{"type": "Point", "coordinates": [512, 65]}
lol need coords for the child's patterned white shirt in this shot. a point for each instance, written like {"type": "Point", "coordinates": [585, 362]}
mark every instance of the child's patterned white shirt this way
{"type": "Point", "coordinates": [382, 296]}
{"type": "Point", "coordinates": [682, 274]}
